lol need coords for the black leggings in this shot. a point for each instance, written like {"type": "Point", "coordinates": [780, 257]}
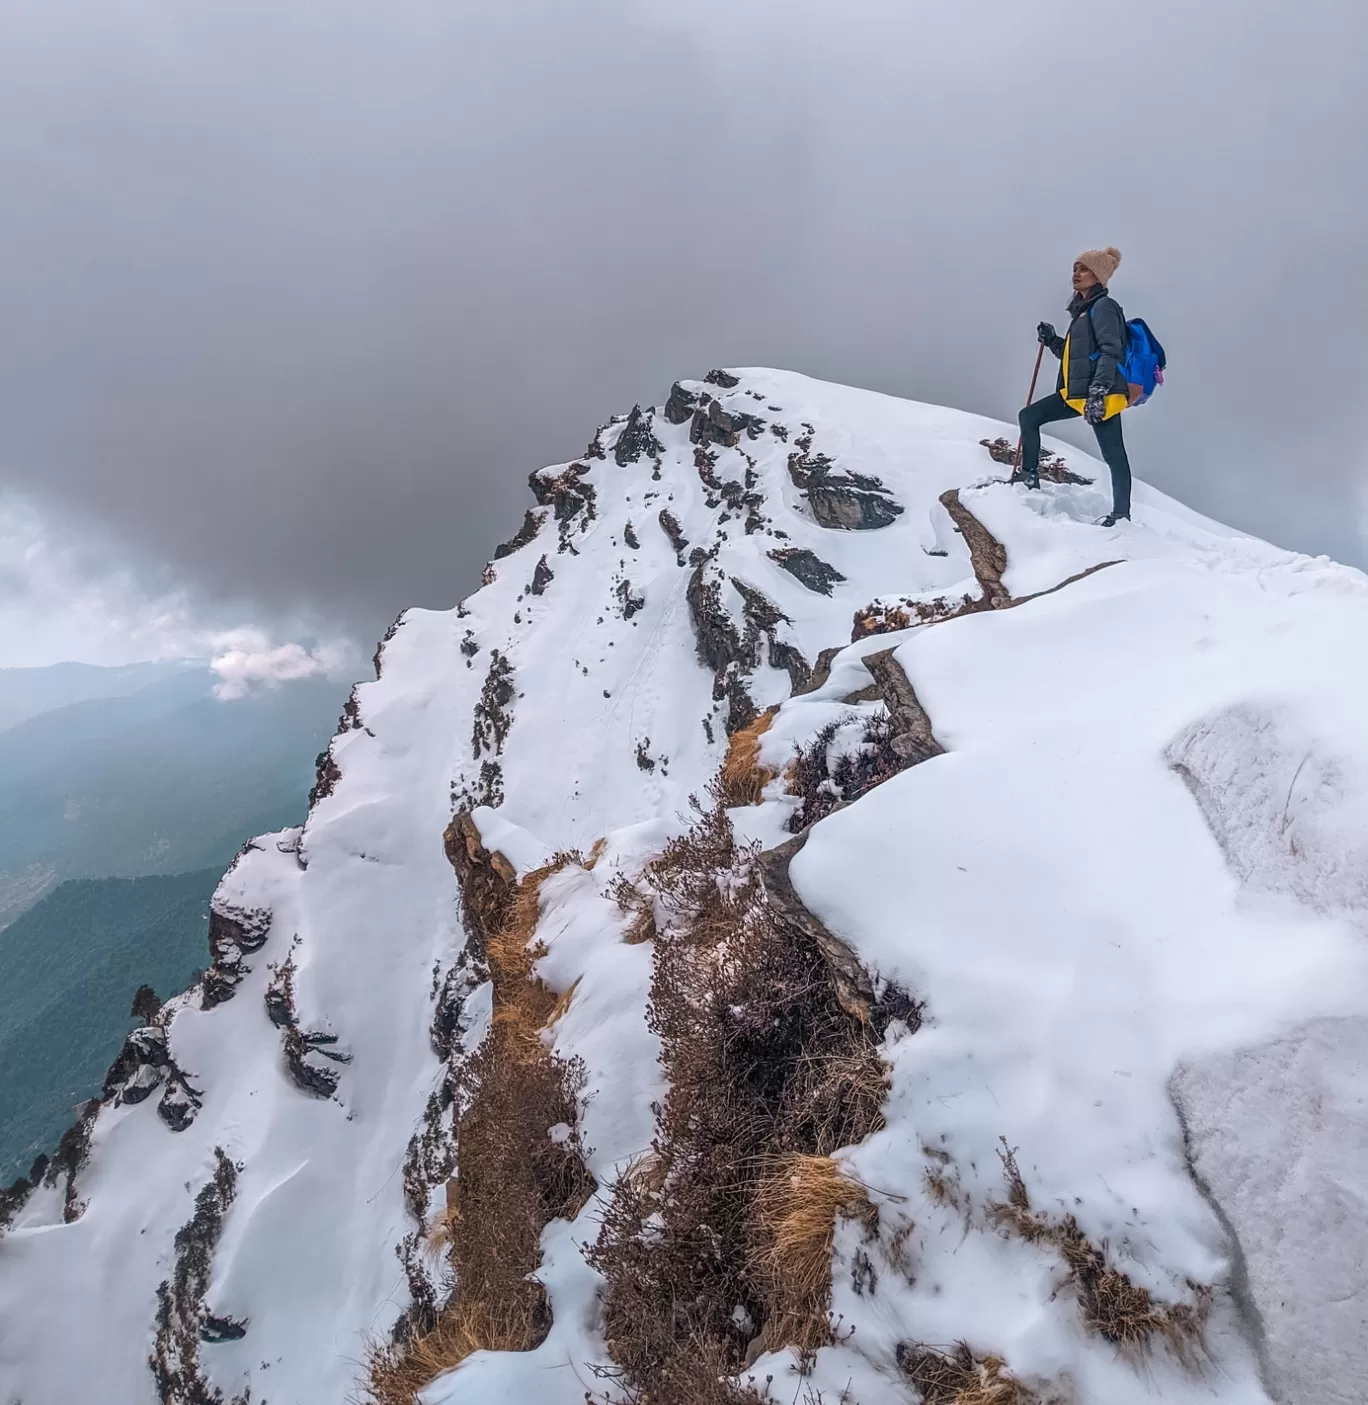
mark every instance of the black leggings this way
{"type": "Point", "coordinates": [1113, 447]}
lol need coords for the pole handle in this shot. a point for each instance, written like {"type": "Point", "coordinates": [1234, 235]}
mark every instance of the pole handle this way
{"type": "Point", "coordinates": [1030, 396]}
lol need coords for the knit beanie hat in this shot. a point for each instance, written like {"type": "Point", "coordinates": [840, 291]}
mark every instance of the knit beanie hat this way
{"type": "Point", "coordinates": [1102, 262]}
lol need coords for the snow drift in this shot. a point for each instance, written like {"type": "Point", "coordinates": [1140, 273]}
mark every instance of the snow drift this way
{"type": "Point", "coordinates": [1047, 839]}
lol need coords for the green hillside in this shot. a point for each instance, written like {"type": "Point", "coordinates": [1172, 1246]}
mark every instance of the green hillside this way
{"type": "Point", "coordinates": [68, 970]}
{"type": "Point", "coordinates": [167, 780]}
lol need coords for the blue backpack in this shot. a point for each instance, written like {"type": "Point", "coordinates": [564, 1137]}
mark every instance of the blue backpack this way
{"type": "Point", "coordinates": [1144, 361]}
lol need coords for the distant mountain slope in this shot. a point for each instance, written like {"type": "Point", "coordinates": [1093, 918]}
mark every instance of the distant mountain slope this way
{"type": "Point", "coordinates": [68, 970]}
{"type": "Point", "coordinates": [25, 692]}
{"type": "Point", "coordinates": [166, 780]}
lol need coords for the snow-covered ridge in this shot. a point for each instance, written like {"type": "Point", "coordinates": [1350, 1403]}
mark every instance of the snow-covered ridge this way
{"type": "Point", "coordinates": [1116, 854]}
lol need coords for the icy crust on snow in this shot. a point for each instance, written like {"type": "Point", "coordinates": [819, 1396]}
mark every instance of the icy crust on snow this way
{"type": "Point", "coordinates": [1050, 887]}
{"type": "Point", "coordinates": [1279, 1131]}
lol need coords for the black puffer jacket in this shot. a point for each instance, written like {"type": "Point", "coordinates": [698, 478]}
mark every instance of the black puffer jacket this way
{"type": "Point", "coordinates": [1099, 326]}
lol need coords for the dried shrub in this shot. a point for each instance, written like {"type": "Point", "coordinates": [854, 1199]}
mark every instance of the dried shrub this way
{"type": "Point", "coordinates": [1053, 469]}
{"type": "Point", "coordinates": [766, 1069]}
{"type": "Point", "coordinates": [796, 1207]}
{"type": "Point", "coordinates": [1109, 1302]}
{"type": "Point", "coordinates": [630, 898]}
{"type": "Point", "coordinates": [959, 1377]}
{"type": "Point", "coordinates": [743, 779]}
{"type": "Point", "coordinates": [889, 616]}
{"type": "Point", "coordinates": [823, 786]}
{"type": "Point", "coordinates": [519, 1166]}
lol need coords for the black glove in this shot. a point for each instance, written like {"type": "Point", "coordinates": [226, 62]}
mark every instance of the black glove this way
{"type": "Point", "coordinates": [1046, 334]}
{"type": "Point", "coordinates": [1095, 407]}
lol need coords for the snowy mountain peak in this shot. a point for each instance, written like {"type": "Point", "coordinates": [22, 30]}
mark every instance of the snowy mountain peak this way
{"type": "Point", "coordinates": [981, 1028]}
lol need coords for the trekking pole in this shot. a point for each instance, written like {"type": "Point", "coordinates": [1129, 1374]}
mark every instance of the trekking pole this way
{"type": "Point", "coordinates": [1040, 352]}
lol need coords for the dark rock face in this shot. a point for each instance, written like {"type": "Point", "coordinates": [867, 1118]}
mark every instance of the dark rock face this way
{"type": "Point", "coordinates": [630, 601]}
{"type": "Point", "coordinates": [486, 879]}
{"type": "Point", "coordinates": [913, 738]}
{"type": "Point", "coordinates": [840, 502]}
{"type": "Point", "coordinates": [721, 646]}
{"type": "Point", "coordinates": [218, 985]}
{"type": "Point", "coordinates": [377, 659]}
{"type": "Point", "coordinates": [542, 576]}
{"type": "Point", "coordinates": [243, 927]}
{"type": "Point", "coordinates": [222, 1329]}
{"type": "Point", "coordinates": [733, 653]}
{"type": "Point", "coordinates": [763, 618]}
{"type": "Point", "coordinates": [636, 439]}
{"type": "Point", "coordinates": [680, 406]}
{"type": "Point", "coordinates": [73, 1150]}
{"type": "Point", "coordinates": [308, 1077]}
{"type": "Point", "coordinates": [847, 502]}
{"type": "Point", "coordinates": [327, 775]}
{"type": "Point", "coordinates": [807, 567]}
{"type": "Point", "coordinates": [714, 425]}
{"type": "Point", "coordinates": [790, 658]}
{"type": "Point", "coordinates": [527, 532]}
{"type": "Point", "coordinates": [297, 1043]}
{"type": "Point", "coordinates": [278, 1009]}
{"type": "Point", "coordinates": [139, 1067]}
{"type": "Point", "coordinates": [493, 714]}
{"type": "Point", "coordinates": [232, 931]}
{"type": "Point", "coordinates": [181, 1314]}
{"type": "Point", "coordinates": [716, 637]}
{"type": "Point", "coordinates": [987, 555]}
{"type": "Point", "coordinates": [179, 1103]}
{"type": "Point", "coordinates": [723, 378]}
{"type": "Point", "coordinates": [569, 496]}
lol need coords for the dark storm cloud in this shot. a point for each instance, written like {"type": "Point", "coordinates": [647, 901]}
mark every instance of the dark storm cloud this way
{"type": "Point", "coordinates": [295, 292]}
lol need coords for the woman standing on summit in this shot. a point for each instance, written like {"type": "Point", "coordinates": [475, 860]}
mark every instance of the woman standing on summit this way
{"type": "Point", "coordinates": [1090, 379]}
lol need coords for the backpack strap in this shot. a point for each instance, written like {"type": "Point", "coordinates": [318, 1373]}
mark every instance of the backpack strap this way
{"type": "Point", "coordinates": [1092, 307]}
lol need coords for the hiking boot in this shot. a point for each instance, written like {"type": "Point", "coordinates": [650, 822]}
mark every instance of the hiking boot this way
{"type": "Point", "coordinates": [1112, 518]}
{"type": "Point", "coordinates": [1031, 480]}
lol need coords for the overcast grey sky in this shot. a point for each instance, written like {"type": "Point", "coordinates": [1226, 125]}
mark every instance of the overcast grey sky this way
{"type": "Point", "coordinates": [294, 293]}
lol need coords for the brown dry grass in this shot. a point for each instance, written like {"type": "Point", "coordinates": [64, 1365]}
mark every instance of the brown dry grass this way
{"type": "Point", "coordinates": [743, 779]}
{"type": "Point", "coordinates": [1109, 1301]}
{"type": "Point", "coordinates": [888, 617]}
{"type": "Point", "coordinates": [511, 1180]}
{"type": "Point", "coordinates": [796, 1207]}
{"type": "Point", "coordinates": [766, 1069]}
{"type": "Point", "coordinates": [959, 1377]}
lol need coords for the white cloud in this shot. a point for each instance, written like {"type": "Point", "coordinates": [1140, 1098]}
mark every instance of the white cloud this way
{"type": "Point", "coordinates": [62, 598]}
{"type": "Point", "coordinates": [66, 597]}
{"type": "Point", "coordinates": [245, 660]}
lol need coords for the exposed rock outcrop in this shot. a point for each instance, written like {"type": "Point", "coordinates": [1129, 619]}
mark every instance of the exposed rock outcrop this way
{"type": "Point", "coordinates": [531, 525]}
{"type": "Point", "coordinates": [636, 439]}
{"type": "Point", "coordinates": [487, 881]}
{"type": "Point", "coordinates": [807, 567]}
{"type": "Point", "coordinates": [843, 501]}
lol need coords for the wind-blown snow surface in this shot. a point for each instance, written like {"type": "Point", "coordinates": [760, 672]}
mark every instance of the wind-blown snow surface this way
{"type": "Point", "coordinates": [1133, 894]}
